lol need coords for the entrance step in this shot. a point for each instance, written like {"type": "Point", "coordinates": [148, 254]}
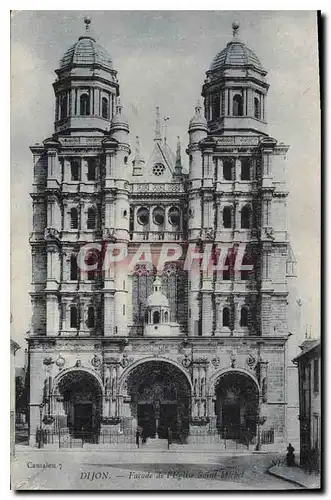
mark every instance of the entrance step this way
{"type": "Point", "coordinates": [155, 444]}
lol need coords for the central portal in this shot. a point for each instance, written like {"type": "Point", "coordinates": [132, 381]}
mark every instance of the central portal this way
{"type": "Point", "coordinates": [160, 400]}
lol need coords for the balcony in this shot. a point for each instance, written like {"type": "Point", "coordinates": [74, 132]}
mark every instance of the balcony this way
{"type": "Point", "coordinates": [168, 236]}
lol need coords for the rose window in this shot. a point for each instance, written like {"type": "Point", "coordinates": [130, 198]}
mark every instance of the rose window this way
{"type": "Point", "coordinates": [158, 169]}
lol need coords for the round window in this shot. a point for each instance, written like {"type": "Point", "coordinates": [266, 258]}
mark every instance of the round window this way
{"type": "Point", "coordinates": [158, 169]}
{"type": "Point", "coordinates": [174, 216]}
{"type": "Point", "coordinates": [143, 216]}
{"type": "Point", "coordinates": [158, 216]}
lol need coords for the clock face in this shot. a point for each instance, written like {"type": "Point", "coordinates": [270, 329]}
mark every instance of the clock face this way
{"type": "Point", "coordinates": [158, 169]}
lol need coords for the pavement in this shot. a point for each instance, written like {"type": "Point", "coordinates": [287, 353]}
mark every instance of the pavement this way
{"type": "Point", "coordinates": [149, 470]}
{"type": "Point", "coordinates": [297, 475]}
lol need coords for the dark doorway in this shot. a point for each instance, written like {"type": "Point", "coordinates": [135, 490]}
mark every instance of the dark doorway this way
{"type": "Point", "coordinates": [146, 420]}
{"type": "Point", "coordinates": [231, 419]}
{"type": "Point", "coordinates": [79, 394]}
{"type": "Point", "coordinates": [160, 398]}
{"type": "Point", "coordinates": [83, 418]}
{"type": "Point", "coordinates": [237, 402]}
{"type": "Point", "coordinates": [168, 418]}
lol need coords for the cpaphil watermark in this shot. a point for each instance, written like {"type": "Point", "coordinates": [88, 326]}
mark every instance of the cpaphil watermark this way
{"type": "Point", "coordinates": [95, 257]}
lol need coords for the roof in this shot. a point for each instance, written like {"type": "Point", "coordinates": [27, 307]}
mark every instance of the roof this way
{"type": "Point", "coordinates": [307, 347]}
{"type": "Point", "coordinates": [86, 52]}
{"type": "Point", "coordinates": [235, 54]}
{"type": "Point", "coordinates": [157, 299]}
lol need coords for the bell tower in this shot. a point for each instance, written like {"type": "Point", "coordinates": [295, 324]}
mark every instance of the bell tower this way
{"type": "Point", "coordinates": [235, 91]}
{"type": "Point", "coordinates": [86, 88]}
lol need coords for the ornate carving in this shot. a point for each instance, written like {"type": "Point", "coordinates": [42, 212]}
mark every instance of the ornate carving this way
{"type": "Point", "coordinates": [200, 361]}
{"type": "Point", "coordinates": [96, 361]}
{"type": "Point", "coordinates": [78, 363]}
{"type": "Point", "coordinates": [109, 235]}
{"type": "Point", "coordinates": [216, 361]}
{"type": "Point", "coordinates": [251, 361]}
{"type": "Point", "coordinates": [60, 361]}
{"type": "Point", "coordinates": [48, 361]}
{"type": "Point", "coordinates": [126, 361]}
{"type": "Point", "coordinates": [185, 361]}
{"type": "Point", "coordinates": [111, 361]}
{"type": "Point", "coordinates": [51, 233]}
{"type": "Point", "coordinates": [210, 234]}
{"type": "Point", "coordinates": [233, 360]}
{"type": "Point", "coordinates": [269, 232]}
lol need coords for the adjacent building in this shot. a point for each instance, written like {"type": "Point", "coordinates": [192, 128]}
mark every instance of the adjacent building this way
{"type": "Point", "coordinates": [200, 350]}
{"type": "Point", "coordinates": [309, 369]}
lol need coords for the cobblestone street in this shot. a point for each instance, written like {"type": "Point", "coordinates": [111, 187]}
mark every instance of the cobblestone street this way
{"type": "Point", "coordinates": [136, 470]}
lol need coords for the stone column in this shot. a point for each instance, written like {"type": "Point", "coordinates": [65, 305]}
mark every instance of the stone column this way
{"type": "Point", "coordinates": [238, 169]}
{"type": "Point", "coordinates": [83, 174]}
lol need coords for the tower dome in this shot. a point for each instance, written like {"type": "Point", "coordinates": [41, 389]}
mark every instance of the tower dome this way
{"type": "Point", "coordinates": [86, 52]}
{"type": "Point", "coordinates": [236, 54]}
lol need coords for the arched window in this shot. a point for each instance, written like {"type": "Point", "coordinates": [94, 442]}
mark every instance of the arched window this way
{"type": "Point", "coordinates": [226, 316]}
{"type": "Point", "coordinates": [244, 273]}
{"type": "Point", "coordinates": [91, 260]}
{"type": "Point", "coordinates": [156, 317]}
{"type": "Point", "coordinates": [174, 216]}
{"type": "Point", "coordinates": [226, 272]}
{"type": "Point", "coordinates": [244, 316]}
{"type": "Point", "coordinates": [105, 108]}
{"type": "Point", "coordinates": [73, 317]}
{"type": "Point", "coordinates": [257, 108]}
{"type": "Point", "coordinates": [166, 317]}
{"type": "Point", "coordinates": [73, 268]}
{"type": "Point", "coordinates": [158, 216]}
{"type": "Point", "coordinates": [245, 169]}
{"type": "Point", "coordinates": [227, 217]}
{"type": "Point", "coordinates": [245, 217]}
{"type": "Point", "coordinates": [64, 107]}
{"type": "Point", "coordinates": [237, 105]}
{"type": "Point", "coordinates": [74, 218]}
{"type": "Point", "coordinates": [90, 317]}
{"type": "Point", "coordinates": [227, 170]}
{"type": "Point", "coordinates": [75, 170]}
{"type": "Point", "coordinates": [91, 218]}
{"type": "Point", "coordinates": [143, 216]}
{"type": "Point", "coordinates": [215, 110]}
{"type": "Point", "coordinates": [84, 105]}
{"type": "Point", "coordinates": [91, 169]}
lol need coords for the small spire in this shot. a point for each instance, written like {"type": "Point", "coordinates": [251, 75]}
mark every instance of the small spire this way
{"type": "Point", "coordinates": [137, 146]}
{"type": "Point", "coordinates": [198, 108]}
{"type": "Point", "coordinates": [157, 136]}
{"type": "Point", "coordinates": [138, 161]}
{"type": "Point", "coordinates": [178, 165]}
{"type": "Point", "coordinates": [235, 29]}
{"type": "Point", "coordinates": [119, 106]}
{"type": "Point", "coordinates": [87, 21]}
{"type": "Point", "coordinates": [166, 119]}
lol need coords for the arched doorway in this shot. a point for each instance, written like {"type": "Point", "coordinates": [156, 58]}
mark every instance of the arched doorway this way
{"type": "Point", "coordinates": [79, 403]}
{"type": "Point", "coordinates": [160, 399]}
{"type": "Point", "coordinates": [236, 408]}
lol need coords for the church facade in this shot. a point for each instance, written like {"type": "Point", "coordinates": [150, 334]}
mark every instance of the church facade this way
{"type": "Point", "coordinates": [117, 341]}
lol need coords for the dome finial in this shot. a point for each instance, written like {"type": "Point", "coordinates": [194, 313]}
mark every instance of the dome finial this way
{"type": "Point", "coordinates": [198, 107]}
{"type": "Point", "coordinates": [87, 21]}
{"type": "Point", "coordinates": [235, 28]}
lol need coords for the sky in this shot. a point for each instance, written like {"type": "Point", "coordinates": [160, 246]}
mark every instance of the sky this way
{"type": "Point", "coordinates": [161, 58]}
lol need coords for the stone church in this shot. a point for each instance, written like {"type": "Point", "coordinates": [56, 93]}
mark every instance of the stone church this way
{"type": "Point", "coordinates": [202, 351]}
